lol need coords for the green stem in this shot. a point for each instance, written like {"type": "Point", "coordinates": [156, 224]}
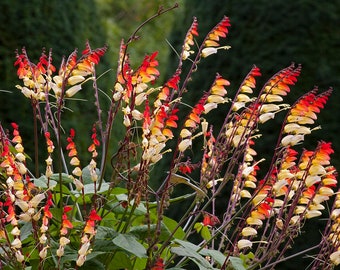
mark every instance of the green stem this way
{"type": "Point", "coordinates": [35, 131]}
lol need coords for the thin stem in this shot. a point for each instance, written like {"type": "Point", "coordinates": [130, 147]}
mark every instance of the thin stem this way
{"type": "Point", "coordinates": [36, 143]}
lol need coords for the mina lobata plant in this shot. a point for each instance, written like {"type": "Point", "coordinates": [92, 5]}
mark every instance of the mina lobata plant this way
{"type": "Point", "coordinates": [104, 213]}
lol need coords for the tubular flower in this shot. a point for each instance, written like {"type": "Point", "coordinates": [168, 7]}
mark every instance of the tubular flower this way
{"type": "Point", "coordinates": [247, 86]}
{"type": "Point", "coordinates": [73, 71]}
{"type": "Point", "coordinates": [92, 149]}
{"type": "Point", "coordinates": [191, 123]}
{"type": "Point", "coordinates": [159, 265]}
{"type": "Point", "coordinates": [13, 163]}
{"type": "Point", "coordinates": [157, 131]}
{"type": "Point", "coordinates": [89, 233]}
{"type": "Point", "coordinates": [66, 223]}
{"type": "Point", "coordinates": [148, 71]}
{"type": "Point", "coordinates": [73, 154]}
{"type": "Point", "coordinates": [278, 85]}
{"type": "Point", "coordinates": [319, 180]}
{"type": "Point", "coordinates": [239, 129]}
{"type": "Point", "coordinates": [219, 31]}
{"type": "Point", "coordinates": [333, 236]}
{"type": "Point", "coordinates": [90, 223]}
{"type": "Point", "coordinates": [210, 220]}
{"type": "Point", "coordinates": [50, 148]}
{"type": "Point", "coordinates": [216, 94]}
{"type": "Point", "coordinates": [302, 113]}
{"type": "Point", "coordinates": [36, 77]}
{"type": "Point", "coordinates": [170, 85]}
{"type": "Point", "coordinates": [189, 40]}
{"type": "Point", "coordinates": [47, 216]}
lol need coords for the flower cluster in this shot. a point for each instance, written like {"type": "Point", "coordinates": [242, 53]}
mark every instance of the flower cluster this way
{"type": "Point", "coordinates": [189, 40]}
{"type": "Point", "coordinates": [89, 233]}
{"type": "Point", "coordinates": [38, 80]}
{"type": "Point", "coordinates": [113, 211]}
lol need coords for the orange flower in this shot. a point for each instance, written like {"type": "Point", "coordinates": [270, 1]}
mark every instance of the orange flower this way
{"type": "Point", "coordinates": [305, 109]}
{"type": "Point", "coordinates": [189, 40]}
{"type": "Point", "coordinates": [278, 85]}
{"type": "Point", "coordinates": [147, 72]}
{"type": "Point", "coordinates": [219, 31]}
{"type": "Point", "coordinates": [34, 76]}
{"type": "Point", "coordinates": [66, 223]}
{"type": "Point", "coordinates": [247, 86]}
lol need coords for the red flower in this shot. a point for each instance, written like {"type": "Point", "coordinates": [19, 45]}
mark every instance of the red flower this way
{"type": "Point", "coordinates": [220, 30]}
{"type": "Point", "coordinates": [210, 220]}
{"type": "Point", "coordinates": [159, 265]}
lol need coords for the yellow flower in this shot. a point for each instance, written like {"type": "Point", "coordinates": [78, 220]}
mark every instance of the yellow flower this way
{"type": "Point", "coordinates": [18, 255]}
{"type": "Point", "coordinates": [43, 252]}
{"type": "Point", "coordinates": [313, 213]}
{"type": "Point", "coordinates": [15, 231]}
{"type": "Point", "coordinates": [208, 51]}
{"type": "Point", "coordinates": [81, 260]}
{"type": "Point", "coordinates": [244, 243]}
{"type": "Point", "coordinates": [63, 241]}
{"type": "Point", "coordinates": [335, 257]}
{"type": "Point", "coordinates": [183, 145]}
{"type": "Point", "coordinates": [248, 231]}
{"type": "Point", "coordinates": [16, 243]}
{"type": "Point", "coordinates": [75, 79]}
{"type": "Point", "coordinates": [73, 90]}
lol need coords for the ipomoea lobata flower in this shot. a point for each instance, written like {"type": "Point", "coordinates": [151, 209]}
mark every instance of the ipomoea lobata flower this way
{"type": "Point", "coordinates": [244, 243]}
{"type": "Point", "coordinates": [248, 231]}
{"type": "Point", "coordinates": [183, 145]}
{"type": "Point", "coordinates": [18, 255]}
{"type": "Point", "coordinates": [16, 243]}
{"type": "Point", "coordinates": [73, 90]}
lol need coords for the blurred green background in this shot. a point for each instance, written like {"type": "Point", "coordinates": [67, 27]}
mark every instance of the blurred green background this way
{"type": "Point", "coordinates": [270, 34]}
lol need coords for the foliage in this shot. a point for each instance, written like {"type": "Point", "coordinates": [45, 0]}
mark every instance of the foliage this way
{"type": "Point", "coordinates": [107, 215]}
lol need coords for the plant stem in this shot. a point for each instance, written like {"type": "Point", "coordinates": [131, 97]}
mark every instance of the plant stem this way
{"type": "Point", "coordinates": [36, 143]}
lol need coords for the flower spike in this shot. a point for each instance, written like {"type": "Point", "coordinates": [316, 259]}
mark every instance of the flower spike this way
{"type": "Point", "coordinates": [219, 31]}
{"type": "Point", "coordinates": [189, 40]}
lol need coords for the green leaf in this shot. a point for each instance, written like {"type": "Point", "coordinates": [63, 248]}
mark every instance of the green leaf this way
{"type": "Point", "coordinates": [198, 227]}
{"type": "Point", "coordinates": [119, 190]}
{"type": "Point", "coordinates": [86, 175]}
{"type": "Point", "coordinates": [215, 254]}
{"type": "Point", "coordinates": [130, 244]}
{"type": "Point", "coordinates": [89, 189]}
{"type": "Point", "coordinates": [41, 182]}
{"type": "Point", "coordinates": [120, 261]}
{"type": "Point", "coordinates": [191, 251]}
{"type": "Point", "coordinates": [64, 176]}
{"type": "Point", "coordinates": [25, 231]}
{"type": "Point", "coordinates": [198, 254]}
{"type": "Point", "coordinates": [193, 255]}
{"type": "Point", "coordinates": [179, 179]}
{"type": "Point", "coordinates": [205, 233]}
{"type": "Point", "coordinates": [171, 225]}
{"type": "Point", "coordinates": [237, 263]}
